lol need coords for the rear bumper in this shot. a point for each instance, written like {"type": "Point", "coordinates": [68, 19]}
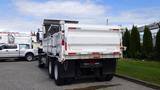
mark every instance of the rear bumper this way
{"type": "Point", "coordinates": [78, 68]}
{"type": "Point", "coordinates": [72, 57]}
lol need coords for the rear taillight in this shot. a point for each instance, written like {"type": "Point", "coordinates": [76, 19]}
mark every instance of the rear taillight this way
{"type": "Point", "coordinates": [65, 46]}
{"type": "Point", "coordinates": [62, 42]}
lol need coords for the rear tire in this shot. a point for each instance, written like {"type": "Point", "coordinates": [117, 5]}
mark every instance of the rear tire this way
{"type": "Point", "coordinates": [109, 77]}
{"type": "Point", "coordinates": [51, 69]}
{"type": "Point", "coordinates": [29, 57]}
{"type": "Point", "coordinates": [57, 78]}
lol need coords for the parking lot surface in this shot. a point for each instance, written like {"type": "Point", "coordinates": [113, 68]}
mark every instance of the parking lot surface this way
{"type": "Point", "coordinates": [23, 75]}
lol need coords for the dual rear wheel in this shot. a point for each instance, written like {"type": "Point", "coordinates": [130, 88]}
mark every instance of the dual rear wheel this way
{"type": "Point", "coordinates": [54, 72]}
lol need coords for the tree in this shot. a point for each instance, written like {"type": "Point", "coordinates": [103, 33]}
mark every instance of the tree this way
{"type": "Point", "coordinates": [157, 45]}
{"type": "Point", "coordinates": [126, 42]}
{"type": "Point", "coordinates": [147, 42]}
{"type": "Point", "coordinates": [134, 48]}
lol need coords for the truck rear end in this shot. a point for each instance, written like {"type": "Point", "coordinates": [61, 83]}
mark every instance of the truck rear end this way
{"type": "Point", "coordinates": [77, 51]}
{"type": "Point", "coordinates": [92, 42]}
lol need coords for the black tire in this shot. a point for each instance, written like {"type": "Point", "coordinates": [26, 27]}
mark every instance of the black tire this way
{"type": "Point", "coordinates": [57, 78]}
{"type": "Point", "coordinates": [51, 69]}
{"type": "Point", "coordinates": [47, 62]}
{"type": "Point", "coordinates": [29, 57]}
{"type": "Point", "coordinates": [109, 77]}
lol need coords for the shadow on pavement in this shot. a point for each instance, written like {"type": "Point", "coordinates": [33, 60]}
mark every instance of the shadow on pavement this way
{"type": "Point", "coordinates": [12, 60]}
{"type": "Point", "coordinates": [95, 87]}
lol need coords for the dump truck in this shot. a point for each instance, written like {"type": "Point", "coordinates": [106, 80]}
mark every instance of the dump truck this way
{"type": "Point", "coordinates": [72, 50]}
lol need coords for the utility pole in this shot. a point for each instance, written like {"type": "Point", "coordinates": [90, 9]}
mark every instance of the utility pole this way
{"type": "Point", "coordinates": [107, 21]}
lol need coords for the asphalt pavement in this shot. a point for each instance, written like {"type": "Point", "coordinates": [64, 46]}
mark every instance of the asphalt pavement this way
{"type": "Point", "coordinates": [23, 75]}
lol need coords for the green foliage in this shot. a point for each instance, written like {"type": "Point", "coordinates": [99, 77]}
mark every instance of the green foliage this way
{"type": "Point", "coordinates": [126, 42]}
{"type": "Point", "coordinates": [157, 45]}
{"type": "Point", "coordinates": [143, 70]}
{"type": "Point", "coordinates": [147, 43]}
{"type": "Point", "coordinates": [134, 48]}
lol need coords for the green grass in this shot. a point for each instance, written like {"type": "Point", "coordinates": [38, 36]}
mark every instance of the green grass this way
{"type": "Point", "coordinates": [144, 70]}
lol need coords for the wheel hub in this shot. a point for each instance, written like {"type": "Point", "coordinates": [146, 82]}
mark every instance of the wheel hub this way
{"type": "Point", "coordinates": [56, 72]}
{"type": "Point", "coordinates": [50, 68]}
{"type": "Point", "coordinates": [29, 58]}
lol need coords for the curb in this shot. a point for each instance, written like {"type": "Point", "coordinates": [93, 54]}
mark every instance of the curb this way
{"type": "Point", "coordinates": [147, 84]}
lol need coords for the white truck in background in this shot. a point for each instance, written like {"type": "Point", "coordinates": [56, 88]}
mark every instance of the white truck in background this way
{"type": "Point", "coordinates": [16, 45]}
{"type": "Point", "coordinates": [14, 51]}
{"type": "Point", "coordinates": [71, 50]}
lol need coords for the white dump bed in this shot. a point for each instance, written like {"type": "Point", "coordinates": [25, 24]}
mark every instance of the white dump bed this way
{"type": "Point", "coordinates": [92, 41]}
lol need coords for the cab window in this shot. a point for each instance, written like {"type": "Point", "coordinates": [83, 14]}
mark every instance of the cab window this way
{"type": "Point", "coordinates": [54, 29]}
{"type": "Point", "coordinates": [3, 47]}
{"type": "Point", "coordinates": [24, 46]}
{"type": "Point", "coordinates": [10, 47]}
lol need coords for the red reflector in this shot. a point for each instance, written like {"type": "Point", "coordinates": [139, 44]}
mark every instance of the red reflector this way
{"type": "Point", "coordinates": [72, 53]}
{"type": "Point", "coordinates": [95, 53]}
{"type": "Point", "coordinates": [96, 57]}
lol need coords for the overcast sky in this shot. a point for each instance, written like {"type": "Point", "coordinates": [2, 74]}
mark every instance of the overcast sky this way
{"type": "Point", "coordinates": [28, 15]}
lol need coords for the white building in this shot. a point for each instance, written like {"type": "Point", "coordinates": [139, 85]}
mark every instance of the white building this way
{"type": "Point", "coordinates": [15, 38]}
